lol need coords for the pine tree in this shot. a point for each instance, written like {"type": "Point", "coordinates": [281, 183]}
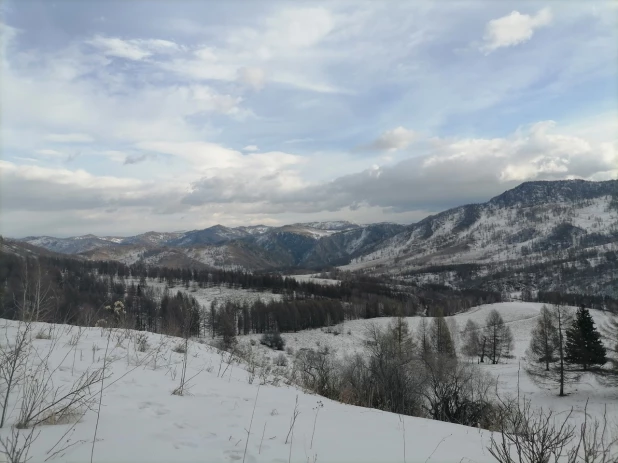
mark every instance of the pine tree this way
{"type": "Point", "coordinates": [583, 343]}
{"type": "Point", "coordinates": [401, 336]}
{"type": "Point", "coordinates": [544, 341]}
{"type": "Point", "coordinates": [442, 343]}
{"type": "Point", "coordinates": [424, 341]}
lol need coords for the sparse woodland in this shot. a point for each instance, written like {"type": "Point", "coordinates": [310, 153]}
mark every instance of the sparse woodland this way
{"type": "Point", "coordinates": [419, 373]}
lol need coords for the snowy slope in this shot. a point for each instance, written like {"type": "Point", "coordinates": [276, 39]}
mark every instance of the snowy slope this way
{"type": "Point", "coordinates": [525, 234]}
{"type": "Point", "coordinates": [521, 317]}
{"type": "Point", "coordinates": [141, 421]}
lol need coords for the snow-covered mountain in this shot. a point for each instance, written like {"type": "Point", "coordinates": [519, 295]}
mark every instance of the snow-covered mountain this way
{"type": "Point", "coordinates": [560, 235]}
{"type": "Point", "coordinates": [336, 225]}
{"type": "Point", "coordinates": [571, 225]}
{"type": "Point", "coordinates": [252, 247]}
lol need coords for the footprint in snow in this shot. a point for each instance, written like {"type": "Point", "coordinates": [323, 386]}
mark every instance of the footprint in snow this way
{"type": "Point", "coordinates": [233, 455]}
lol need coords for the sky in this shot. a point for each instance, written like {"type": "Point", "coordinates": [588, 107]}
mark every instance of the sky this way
{"type": "Point", "coordinates": [123, 117]}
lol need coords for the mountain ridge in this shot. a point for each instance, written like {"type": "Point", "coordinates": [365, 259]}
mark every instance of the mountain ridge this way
{"type": "Point", "coordinates": [566, 224]}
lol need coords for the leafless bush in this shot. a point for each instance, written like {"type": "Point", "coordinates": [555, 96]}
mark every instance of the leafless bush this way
{"type": "Point", "coordinates": [281, 360]}
{"type": "Point", "coordinates": [15, 448]}
{"type": "Point", "coordinates": [75, 338]}
{"type": "Point", "coordinates": [43, 402]}
{"type": "Point", "coordinates": [141, 342]}
{"type": "Point", "coordinates": [530, 435]}
{"type": "Point", "coordinates": [317, 371]}
{"type": "Point", "coordinates": [595, 444]}
{"type": "Point", "coordinates": [264, 373]}
{"type": "Point", "coordinates": [184, 349]}
{"type": "Point", "coordinates": [44, 334]}
{"type": "Point", "coordinates": [251, 360]}
{"type": "Point", "coordinates": [180, 348]}
{"type": "Point", "coordinates": [458, 393]}
{"type": "Point", "coordinates": [13, 359]}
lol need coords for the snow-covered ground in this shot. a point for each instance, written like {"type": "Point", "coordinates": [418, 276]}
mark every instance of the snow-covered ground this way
{"type": "Point", "coordinates": [140, 419]}
{"type": "Point", "coordinates": [315, 278]}
{"type": "Point", "coordinates": [521, 317]}
{"type": "Point", "coordinates": [205, 296]}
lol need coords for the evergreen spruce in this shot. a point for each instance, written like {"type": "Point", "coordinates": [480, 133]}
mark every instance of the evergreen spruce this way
{"type": "Point", "coordinates": [583, 343]}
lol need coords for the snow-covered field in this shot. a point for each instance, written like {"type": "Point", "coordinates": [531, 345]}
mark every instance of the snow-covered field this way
{"type": "Point", "coordinates": [140, 419]}
{"type": "Point", "coordinates": [521, 317]}
{"type": "Point", "coordinates": [205, 296]}
{"type": "Point", "coordinates": [314, 278]}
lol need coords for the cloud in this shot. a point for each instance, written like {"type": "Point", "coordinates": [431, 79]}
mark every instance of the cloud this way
{"type": "Point", "coordinates": [252, 77]}
{"type": "Point", "coordinates": [513, 29]}
{"type": "Point", "coordinates": [49, 153]}
{"type": "Point", "coordinates": [134, 49]}
{"type": "Point", "coordinates": [311, 80]}
{"type": "Point", "coordinates": [454, 172]}
{"type": "Point", "coordinates": [392, 140]}
{"type": "Point", "coordinates": [138, 158]}
{"type": "Point", "coordinates": [69, 138]}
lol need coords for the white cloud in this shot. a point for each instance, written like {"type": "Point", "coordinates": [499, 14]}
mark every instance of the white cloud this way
{"type": "Point", "coordinates": [119, 48]}
{"type": "Point", "coordinates": [252, 77]}
{"type": "Point", "coordinates": [513, 29]}
{"type": "Point", "coordinates": [392, 140]}
{"type": "Point", "coordinates": [250, 148]}
{"type": "Point", "coordinates": [50, 153]}
{"type": "Point", "coordinates": [69, 138]}
{"type": "Point", "coordinates": [457, 171]}
{"type": "Point", "coordinates": [134, 49]}
{"type": "Point", "coordinates": [299, 28]}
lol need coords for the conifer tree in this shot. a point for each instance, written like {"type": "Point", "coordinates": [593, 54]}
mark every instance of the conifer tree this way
{"type": "Point", "coordinates": [442, 343]}
{"type": "Point", "coordinates": [544, 341]}
{"type": "Point", "coordinates": [583, 342]}
{"type": "Point", "coordinates": [498, 337]}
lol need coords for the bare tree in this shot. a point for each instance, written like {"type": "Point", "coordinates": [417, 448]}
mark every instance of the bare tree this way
{"type": "Point", "coordinates": [498, 336]}
{"type": "Point", "coordinates": [545, 339]}
{"type": "Point", "coordinates": [472, 342]}
{"type": "Point", "coordinates": [559, 372]}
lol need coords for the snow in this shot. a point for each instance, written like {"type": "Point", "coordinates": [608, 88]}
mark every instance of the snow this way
{"type": "Point", "coordinates": [205, 296]}
{"type": "Point", "coordinates": [521, 317]}
{"type": "Point", "coordinates": [314, 278]}
{"type": "Point", "coordinates": [141, 420]}
{"type": "Point", "coordinates": [485, 241]}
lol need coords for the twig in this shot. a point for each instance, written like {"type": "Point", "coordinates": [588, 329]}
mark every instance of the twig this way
{"type": "Point", "coordinates": [96, 428]}
{"type": "Point", "coordinates": [263, 432]}
{"type": "Point", "coordinates": [434, 450]}
{"type": "Point", "coordinates": [250, 424]}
